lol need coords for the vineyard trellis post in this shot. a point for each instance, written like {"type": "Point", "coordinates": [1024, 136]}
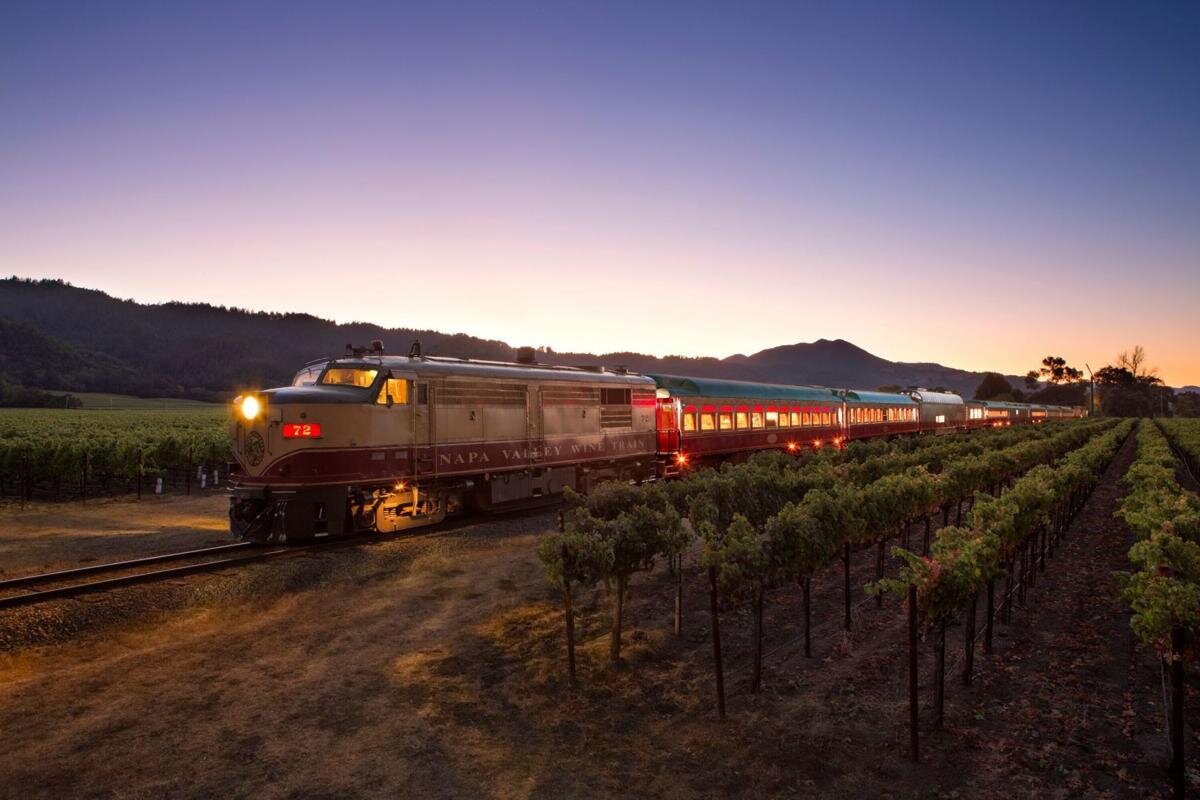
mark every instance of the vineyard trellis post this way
{"type": "Point", "coordinates": [806, 589]}
{"type": "Point", "coordinates": [140, 467]}
{"type": "Point", "coordinates": [1042, 545]}
{"type": "Point", "coordinates": [718, 669]}
{"type": "Point", "coordinates": [939, 673]}
{"type": "Point", "coordinates": [756, 680]}
{"type": "Point", "coordinates": [1178, 764]}
{"type": "Point", "coordinates": [846, 575]}
{"type": "Point", "coordinates": [991, 613]}
{"type": "Point", "coordinates": [569, 616]}
{"type": "Point", "coordinates": [187, 474]}
{"type": "Point", "coordinates": [969, 640]}
{"type": "Point", "coordinates": [879, 572]}
{"type": "Point", "coordinates": [84, 476]}
{"type": "Point", "coordinates": [913, 696]}
{"type": "Point", "coordinates": [679, 594]}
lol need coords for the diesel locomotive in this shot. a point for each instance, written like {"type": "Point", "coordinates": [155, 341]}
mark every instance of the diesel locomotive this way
{"type": "Point", "coordinates": [375, 442]}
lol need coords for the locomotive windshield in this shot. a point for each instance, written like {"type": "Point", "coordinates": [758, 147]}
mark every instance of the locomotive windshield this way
{"type": "Point", "coordinates": [308, 376]}
{"type": "Point", "coordinates": [362, 377]}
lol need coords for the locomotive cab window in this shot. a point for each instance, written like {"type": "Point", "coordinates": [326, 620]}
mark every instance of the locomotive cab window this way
{"type": "Point", "coordinates": [307, 376]}
{"type": "Point", "coordinates": [394, 390]}
{"type": "Point", "coordinates": [361, 377]}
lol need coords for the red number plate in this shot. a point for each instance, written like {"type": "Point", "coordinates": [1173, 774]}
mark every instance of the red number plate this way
{"type": "Point", "coordinates": [301, 430]}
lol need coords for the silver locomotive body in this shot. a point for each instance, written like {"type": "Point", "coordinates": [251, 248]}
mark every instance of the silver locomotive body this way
{"type": "Point", "coordinates": [383, 443]}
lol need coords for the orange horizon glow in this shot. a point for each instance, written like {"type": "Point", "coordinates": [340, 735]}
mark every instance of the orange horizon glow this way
{"type": "Point", "coordinates": [958, 187]}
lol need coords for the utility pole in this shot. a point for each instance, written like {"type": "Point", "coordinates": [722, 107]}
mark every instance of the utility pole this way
{"type": "Point", "coordinates": [1092, 393]}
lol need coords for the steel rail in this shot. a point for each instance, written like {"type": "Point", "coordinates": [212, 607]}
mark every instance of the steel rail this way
{"type": "Point", "coordinates": [113, 566]}
{"type": "Point", "coordinates": [70, 590]}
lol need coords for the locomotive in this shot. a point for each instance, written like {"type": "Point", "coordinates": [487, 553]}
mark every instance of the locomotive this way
{"type": "Point", "coordinates": [375, 442]}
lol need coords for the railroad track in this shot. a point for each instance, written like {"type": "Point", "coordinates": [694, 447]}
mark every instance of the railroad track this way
{"type": "Point", "coordinates": [59, 584]}
{"type": "Point", "coordinates": [45, 586]}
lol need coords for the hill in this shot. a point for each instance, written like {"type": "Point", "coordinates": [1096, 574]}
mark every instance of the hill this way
{"type": "Point", "coordinates": [62, 337]}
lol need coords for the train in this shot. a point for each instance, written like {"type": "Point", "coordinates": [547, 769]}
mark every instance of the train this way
{"type": "Point", "coordinates": [375, 442]}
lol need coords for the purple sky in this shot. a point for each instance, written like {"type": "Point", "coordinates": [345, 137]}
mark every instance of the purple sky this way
{"type": "Point", "coordinates": [977, 184]}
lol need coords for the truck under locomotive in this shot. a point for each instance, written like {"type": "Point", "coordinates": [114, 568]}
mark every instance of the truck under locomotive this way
{"type": "Point", "coordinates": [372, 442]}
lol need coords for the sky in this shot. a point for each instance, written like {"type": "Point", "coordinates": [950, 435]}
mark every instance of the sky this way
{"type": "Point", "coordinates": [977, 184]}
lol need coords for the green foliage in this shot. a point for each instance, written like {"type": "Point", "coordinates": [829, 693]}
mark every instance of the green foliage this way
{"type": "Point", "coordinates": [1164, 590]}
{"type": "Point", "coordinates": [962, 559]}
{"type": "Point", "coordinates": [54, 442]}
{"type": "Point", "coordinates": [738, 554]}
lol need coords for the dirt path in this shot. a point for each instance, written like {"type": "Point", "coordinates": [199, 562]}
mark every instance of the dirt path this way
{"type": "Point", "coordinates": [433, 668]}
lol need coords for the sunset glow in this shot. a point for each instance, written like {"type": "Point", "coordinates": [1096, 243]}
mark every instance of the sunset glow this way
{"type": "Point", "coordinates": [972, 187]}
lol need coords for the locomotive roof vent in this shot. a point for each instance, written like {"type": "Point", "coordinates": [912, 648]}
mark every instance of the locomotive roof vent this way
{"type": "Point", "coordinates": [525, 355]}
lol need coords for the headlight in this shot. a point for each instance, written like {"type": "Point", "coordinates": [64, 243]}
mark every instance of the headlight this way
{"type": "Point", "coordinates": [249, 407]}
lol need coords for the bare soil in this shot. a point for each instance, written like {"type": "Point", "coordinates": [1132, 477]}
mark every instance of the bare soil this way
{"type": "Point", "coordinates": [434, 667]}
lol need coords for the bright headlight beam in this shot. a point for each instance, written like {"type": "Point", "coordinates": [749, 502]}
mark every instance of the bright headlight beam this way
{"type": "Point", "coordinates": [250, 407]}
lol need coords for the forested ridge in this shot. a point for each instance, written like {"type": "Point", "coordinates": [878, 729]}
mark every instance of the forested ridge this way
{"type": "Point", "coordinates": [65, 338]}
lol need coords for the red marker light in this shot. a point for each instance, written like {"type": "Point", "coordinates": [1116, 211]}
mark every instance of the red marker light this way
{"type": "Point", "coordinates": [301, 430]}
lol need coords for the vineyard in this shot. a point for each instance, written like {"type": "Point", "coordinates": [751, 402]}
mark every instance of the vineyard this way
{"type": "Point", "coordinates": [60, 454]}
{"type": "Point", "coordinates": [769, 525]}
{"type": "Point", "coordinates": [1164, 589]}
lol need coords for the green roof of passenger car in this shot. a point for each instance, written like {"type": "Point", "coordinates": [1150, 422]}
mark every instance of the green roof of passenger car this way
{"type": "Point", "coordinates": [711, 387]}
{"type": "Point", "coordinates": [859, 396]}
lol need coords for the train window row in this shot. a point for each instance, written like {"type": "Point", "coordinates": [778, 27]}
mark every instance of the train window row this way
{"type": "Point", "coordinates": [746, 418]}
{"type": "Point", "coordinates": [860, 416]}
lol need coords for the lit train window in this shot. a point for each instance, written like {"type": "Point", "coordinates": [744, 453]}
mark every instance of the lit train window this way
{"type": "Point", "coordinates": [689, 421]}
{"type": "Point", "coordinates": [806, 418]}
{"type": "Point", "coordinates": [725, 420]}
{"type": "Point", "coordinates": [940, 419]}
{"type": "Point", "coordinates": [707, 421]}
{"type": "Point", "coordinates": [772, 419]}
{"type": "Point", "coordinates": [742, 419]}
{"type": "Point", "coordinates": [394, 389]}
{"type": "Point", "coordinates": [825, 418]}
{"type": "Point", "coordinates": [349, 376]}
{"type": "Point", "coordinates": [756, 419]}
